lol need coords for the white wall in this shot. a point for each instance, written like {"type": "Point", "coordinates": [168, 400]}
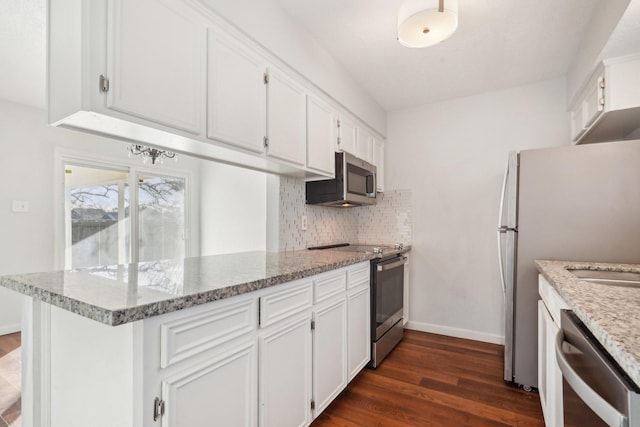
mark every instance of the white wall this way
{"type": "Point", "coordinates": [269, 25]}
{"type": "Point", "coordinates": [452, 156]}
{"type": "Point", "coordinates": [233, 209]}
{"type": "Point", "coordinates": [27, 173]}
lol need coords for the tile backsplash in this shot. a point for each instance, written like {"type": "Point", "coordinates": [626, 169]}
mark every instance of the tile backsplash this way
{"type": "Point", "coordinates": [387, 222]}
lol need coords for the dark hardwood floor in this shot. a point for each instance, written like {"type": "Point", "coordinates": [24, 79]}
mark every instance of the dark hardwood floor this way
{"type": "Point", "coordinates": [434, 380]}
{"type": "Point", "coordinates": [428, 380]}
{"type": "Point", "coordinates": [10, 381]}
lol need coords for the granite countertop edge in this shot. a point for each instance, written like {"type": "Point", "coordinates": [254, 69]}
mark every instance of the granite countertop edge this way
{"type": "Point", "coordinates": [603, 309]}
{"type": "Point", "coordinates": [115, 317]}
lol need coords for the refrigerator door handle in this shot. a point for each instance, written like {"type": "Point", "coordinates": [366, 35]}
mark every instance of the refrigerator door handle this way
{"type": "Point", "coordinates": [502, 229]}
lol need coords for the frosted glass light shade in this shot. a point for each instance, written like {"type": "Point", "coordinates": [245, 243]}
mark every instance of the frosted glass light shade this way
{"type": "Point", "coordinates": [420, 24]}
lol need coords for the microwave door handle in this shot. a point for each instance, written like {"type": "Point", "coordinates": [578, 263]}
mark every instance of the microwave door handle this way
{"type": "Point", "coordinates": [371, 179]}
{"type": "Point", "coordinates": [601, 407]}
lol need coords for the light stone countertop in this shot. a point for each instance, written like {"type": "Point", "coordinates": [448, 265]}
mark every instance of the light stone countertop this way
{"type": "Point", "coordinates": [612, 313]}
{"type": "Point", "coordinates": [120, 294]}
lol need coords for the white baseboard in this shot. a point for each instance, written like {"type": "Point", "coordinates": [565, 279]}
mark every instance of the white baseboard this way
{"type": "Point", "coordinates": [9, 329]}
{"type": "Point", "coordinates": [455, 332]}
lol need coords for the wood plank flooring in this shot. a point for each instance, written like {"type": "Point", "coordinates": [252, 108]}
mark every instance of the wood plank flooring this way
{"type": "Point", "coordinates": [428, 380]}
{"type": "Point", "coordinates": [10, 380]}
{"type": "Point", "coordinates": [434, 380]}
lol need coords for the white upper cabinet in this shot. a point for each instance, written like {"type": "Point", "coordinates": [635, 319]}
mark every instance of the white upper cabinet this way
{"type": "Point", "coordinates": [608, 107]}
{"type": "Point", "coordinates": [378, 161]}
{"type": "Point", "coordinates": [321, 136]}
{"type": "Point", "coordinates": [286, 118]}
{"type": "Point", "coordinates": [175, 75]}
{"type": "Point", "coordinates": [364, 145]}
{"type": "Point", "coordinates": [237, 93]}
{"type": "Point", "coordinates": [347, 136]}
{"type": "Point", "coordinates": [156, 62]}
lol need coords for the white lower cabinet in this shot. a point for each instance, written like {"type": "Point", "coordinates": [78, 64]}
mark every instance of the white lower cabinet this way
{"type": "Point", "coordinates": [224, 389]}
{"type": "Point", "coordinates": [329, 352]}
{"type": "Point", "coordinates": [285, 374]}
{"type": "Point", "coordinates": [249, 360]}
{"type": "Point", "coordinates": [549, 375]}
{"type": "Point", "coordinates": [358, 334]}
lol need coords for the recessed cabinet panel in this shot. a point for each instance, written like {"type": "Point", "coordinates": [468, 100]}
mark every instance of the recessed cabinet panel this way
{"type": "Point", "coordinates": [359, 349]}
{"type": "Point", "coordinates": [328, 285]}
{"type": "Point", "coordinates": [280, 305]}
{"type": "Point", "coordinates": [329, 353]}
{"type": "Point", "coordinates": [364, 146]}
{"type": "Point", "coordinates": [321, 135]}
{"type": "Point", "coordinates": [184, 338]}
{"type": "Point", "coordinates": [156, 62]}
{"type": "Point", "coordinates": [593, 104]}
{"type": "Point", "coordinates": [286, 118]}
{"type": "Point", "coordinates": [358, 276]}
{"type": "Point", "coordinates": [285, 374]}
{"type": "Point", "coordinates": [224, 390]}
{"type": "Point", "coordinates": [378, 160]}
{"type": "Point", "coordinates": [348, 136]}
{"type": "Point", "coordinates": [237, 94]}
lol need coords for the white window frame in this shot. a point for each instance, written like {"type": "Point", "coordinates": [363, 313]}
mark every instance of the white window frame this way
{"type": "Point", "coordinates": [134, 168]}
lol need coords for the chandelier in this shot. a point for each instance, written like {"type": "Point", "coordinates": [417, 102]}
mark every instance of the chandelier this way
{"type": "Point", "coordinates": [150, 153]}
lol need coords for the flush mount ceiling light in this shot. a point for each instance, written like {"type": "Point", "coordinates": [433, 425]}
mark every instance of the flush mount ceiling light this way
{"type": "Point", "coordinates": [423, 23]}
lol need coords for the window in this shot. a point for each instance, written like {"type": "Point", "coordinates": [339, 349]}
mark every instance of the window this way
{"type": "Point", "coordinates": [121, 215]}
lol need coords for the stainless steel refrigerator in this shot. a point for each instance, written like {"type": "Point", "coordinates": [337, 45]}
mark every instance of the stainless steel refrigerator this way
{"type": "Point", "coordinates": [576, 203]}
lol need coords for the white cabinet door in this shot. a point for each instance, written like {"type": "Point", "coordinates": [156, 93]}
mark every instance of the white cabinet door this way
{"type": "Point", "coordinates": [378, 160]}
{"type": "Point", "coordinates": [364, 145]}
{"type": "Point", "coordinates": [321, 136]}
{"type": "Point", "coordinates": [224, 390]}
{"type": "Point", "coordinates": [347, 136]}
{"type": "Point", "coordinates": [329, 352]}
{"type": "Point", "coordinates": [359, 327]}
{"type": "Point", "coordinates": [156, 62]}
{"type": "Point", "coordinates": [285, 374]}
{"type": "Point", "coordinates": [286, 118]}
{"type": "Point", "coordinates": [237, 93]}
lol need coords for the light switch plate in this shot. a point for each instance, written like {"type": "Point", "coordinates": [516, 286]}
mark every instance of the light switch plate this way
{"type": "Point", "coordinates": [20, 206]}
{"type": "Point", "coordinates": [303, 222]}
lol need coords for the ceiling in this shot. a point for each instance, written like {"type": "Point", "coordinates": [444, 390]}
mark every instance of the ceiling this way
{"type": "Point", "coordinates": [499, 44]}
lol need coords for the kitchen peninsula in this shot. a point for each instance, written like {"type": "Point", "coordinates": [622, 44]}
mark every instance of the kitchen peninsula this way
{"type": "Point", "coordinates": [610, 312]}
{"type": "Point", "coordinates": [233, 338]}
{"type": "Point", "coordinates": [575, 349]}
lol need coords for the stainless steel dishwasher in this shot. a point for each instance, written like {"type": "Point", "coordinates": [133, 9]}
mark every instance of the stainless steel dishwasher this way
{"type": "Point", "coordinates": [595, 390]}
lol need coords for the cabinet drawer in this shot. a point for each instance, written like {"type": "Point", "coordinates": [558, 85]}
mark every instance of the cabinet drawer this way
{"type": "Point", "coordinates": [328, 285]}
{"type": "Point", "coordinates": [551, 299]}
{"type": "Point", "coordinates": [358, 275]}
{"type": "Point", "coordinates": [194, 334]}
{"type": "Point", "coordinates": [279, 305]}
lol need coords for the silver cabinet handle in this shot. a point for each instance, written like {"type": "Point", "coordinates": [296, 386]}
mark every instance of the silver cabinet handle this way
{"type": "Point", "coordinates": [389, 266]}
{"type": "Point", "coordinates": [608, 413]}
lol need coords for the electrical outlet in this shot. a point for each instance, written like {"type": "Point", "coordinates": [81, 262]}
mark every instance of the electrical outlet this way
{"type": "Point", "coordinates": [20, 206]}
{"type": "Point", "coordinates": [303, 222]}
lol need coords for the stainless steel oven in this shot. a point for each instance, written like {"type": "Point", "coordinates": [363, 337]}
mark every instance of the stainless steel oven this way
{"type": "Point", "coordinates": [595, 390]}
{"type": "Point", "coordinates": [387, 296]}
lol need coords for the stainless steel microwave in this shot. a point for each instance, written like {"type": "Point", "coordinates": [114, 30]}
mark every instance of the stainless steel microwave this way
{"type": "Point", "coordinates": [354, 184]}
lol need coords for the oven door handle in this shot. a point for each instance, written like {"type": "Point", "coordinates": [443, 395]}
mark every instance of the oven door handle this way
{"type": "Point", "coordinates": [601, 407]}
{"type": "Point", "coordinates": [390, 265]}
